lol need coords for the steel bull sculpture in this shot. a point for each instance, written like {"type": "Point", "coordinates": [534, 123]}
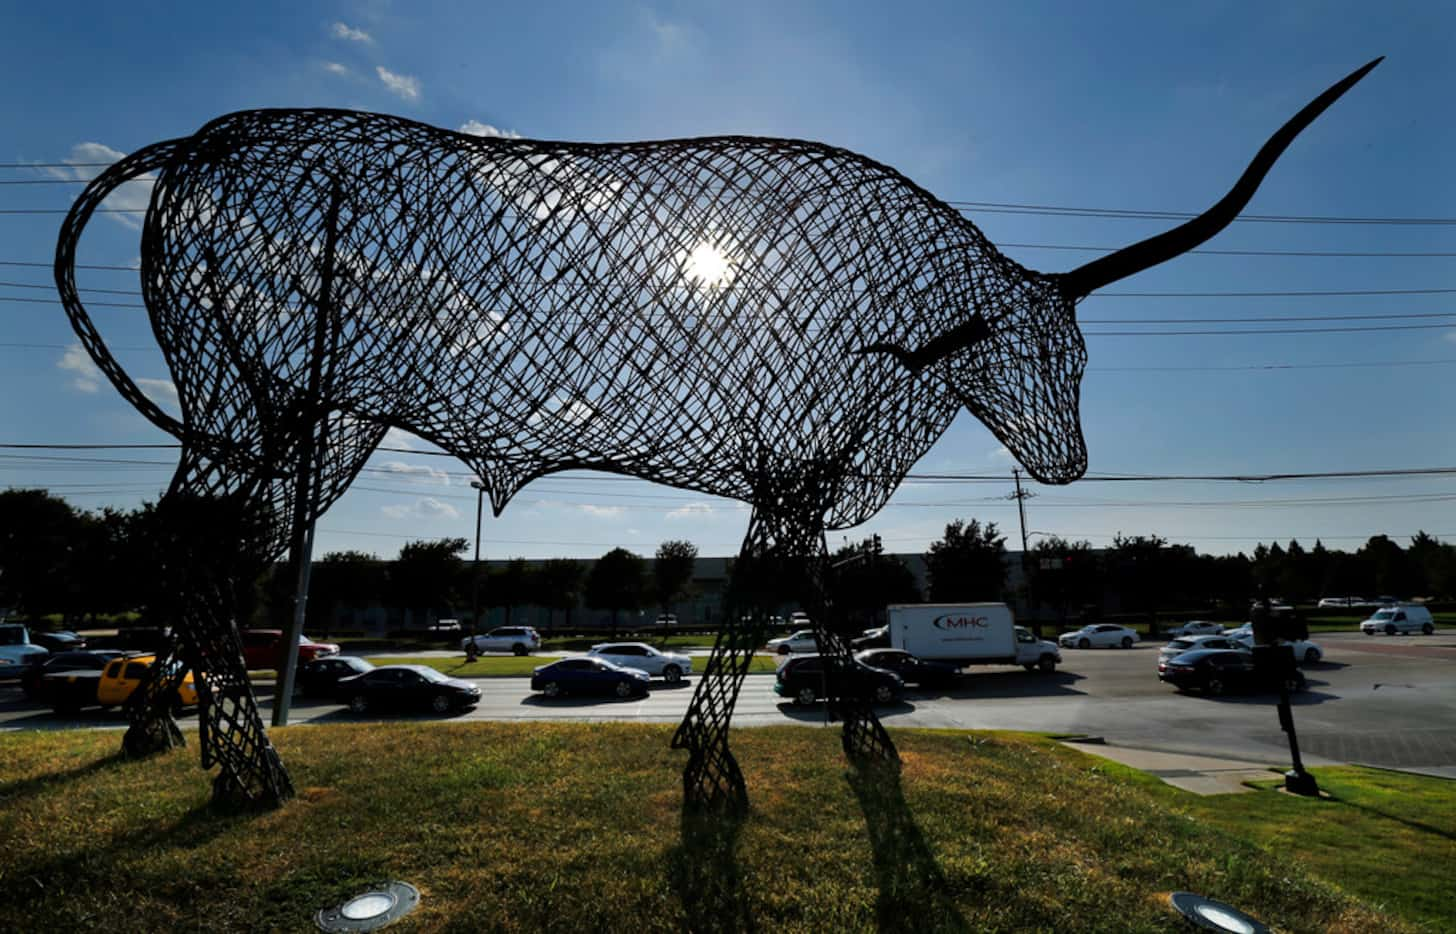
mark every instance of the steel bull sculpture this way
{"type": "Point", "coordinates": [781, 322]}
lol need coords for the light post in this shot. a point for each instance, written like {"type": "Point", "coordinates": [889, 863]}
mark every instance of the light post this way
{"type": "Point", "coordinates": [475, 568]}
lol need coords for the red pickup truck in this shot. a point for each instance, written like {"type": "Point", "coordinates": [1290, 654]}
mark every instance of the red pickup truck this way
{"type": "Point", "coordinates": [263, 648]}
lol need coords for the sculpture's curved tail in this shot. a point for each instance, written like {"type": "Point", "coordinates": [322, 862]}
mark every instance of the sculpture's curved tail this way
{"type": "Point", "coordinates": [133, 166]}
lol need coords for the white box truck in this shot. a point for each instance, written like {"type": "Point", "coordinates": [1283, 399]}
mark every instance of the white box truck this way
{"type": "Point", "coordinates": [968, 634]}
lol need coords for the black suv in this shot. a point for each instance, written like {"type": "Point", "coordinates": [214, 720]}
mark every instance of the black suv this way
{"type": "Point", "coordinates": [801, 678]}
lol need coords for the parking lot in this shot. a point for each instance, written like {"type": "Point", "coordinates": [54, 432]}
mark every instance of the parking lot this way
{"type": "Point", "coordinates": [1387, 701]}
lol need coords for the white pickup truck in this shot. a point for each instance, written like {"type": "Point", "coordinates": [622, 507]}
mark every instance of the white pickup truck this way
{"type": "Point", "coordinates": [969, 634]}
{"type": "Point", "coordinates": [17, 651]}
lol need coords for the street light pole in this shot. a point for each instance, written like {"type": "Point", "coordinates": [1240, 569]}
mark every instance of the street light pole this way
{"type": "Point", "coordinates": [475, 568]}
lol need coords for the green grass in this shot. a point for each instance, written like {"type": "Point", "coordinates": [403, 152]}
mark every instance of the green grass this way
{"type": "Point", "coordinates": [577, 827]}
{"type": "Point", "coordinates": [1388, 837]}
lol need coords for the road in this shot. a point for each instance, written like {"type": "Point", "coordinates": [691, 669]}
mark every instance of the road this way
{"type": "Point", "coordinates": [1387, 701]}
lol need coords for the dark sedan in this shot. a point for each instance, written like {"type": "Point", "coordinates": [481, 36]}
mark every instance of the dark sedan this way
{"type": "Point", "coordinates": [61, 641]}
{"type": "Point", "coordinates": [30, 681]}
{"type": "Point", "coordinates": [803, 680]}
{"type": "Point", "coordinates": [1218, 671]}
{"type": "Point", "coordinates": [911, 670]}
{"type": "Point", "coordinates": [402, 687]}
{"type": "Point", "coordinates": [319, 677]}
{"type": "Point", "coordinates": [589, 676]}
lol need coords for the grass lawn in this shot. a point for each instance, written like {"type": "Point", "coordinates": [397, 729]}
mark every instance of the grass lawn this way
{"type": "Point", "coordinates": [1387, 837]}
{"type": "Point", "coordinates": [577, 827]}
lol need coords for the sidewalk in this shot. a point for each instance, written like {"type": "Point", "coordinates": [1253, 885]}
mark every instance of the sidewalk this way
{"type": "Point", "coordinates": [1202, 775]}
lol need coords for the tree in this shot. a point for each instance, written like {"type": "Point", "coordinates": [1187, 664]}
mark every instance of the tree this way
{"type": "Point", "coordinates": [1138, 571]}
{"type": "Point", "coordinates": [427, 573]}
{"type": "Point", "coordinates": [558, 587]}
{"type": "Point", "coordinates": [616, 582]}
{"type": "Point", "coordinates": [1064, 574]}
{"type": "Point", "coordinates": [862, 580]}
{"type": "Point", "coordinates": [37, 534]}
{"type": "Point", "coordinates": [510, 586]}
{"type": "Point", "coordinates": [672, 571]}
{"type": "Point", "coordinates": [343, 579]}
{"type": "Point", "coordinates": [967, 564]}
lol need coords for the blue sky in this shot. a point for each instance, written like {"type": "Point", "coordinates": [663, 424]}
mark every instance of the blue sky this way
{"type": "Point", "coordinates": [1127, 106]}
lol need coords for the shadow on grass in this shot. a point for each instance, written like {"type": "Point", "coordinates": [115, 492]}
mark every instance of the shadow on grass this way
{"type": "Point", "coordinates": [914, 894]}
{"type": "Point", "coordinates": [1376, 812]}
{"type": "Point", "coordinates": [89, 866]}
{"type": "Point", "coordinates": [704, 872]}
{"type": "Point", "coordinates": [54, 781]}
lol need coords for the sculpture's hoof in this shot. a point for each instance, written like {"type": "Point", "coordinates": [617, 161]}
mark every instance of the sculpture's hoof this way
{"type": "Point", "coordinates": [161, 736]}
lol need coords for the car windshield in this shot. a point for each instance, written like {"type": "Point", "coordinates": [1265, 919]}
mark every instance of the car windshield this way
{"type": "Point", "coordinates": [360, 665]}
{"type": "Point", "coordinates": [1385, 614]}
{"type": "Point", "coordinates": [1180, 643]}
{"type": "Point", "coordinates": [12, 635]}
{"type": "Point", "coordinates": [429, 674]}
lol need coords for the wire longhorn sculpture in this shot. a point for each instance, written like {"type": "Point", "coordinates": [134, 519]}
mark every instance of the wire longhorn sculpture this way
{"type": "Point", "coordinates": [776, 321]}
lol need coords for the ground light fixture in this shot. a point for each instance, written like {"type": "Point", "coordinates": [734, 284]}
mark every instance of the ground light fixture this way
{"type": "Point", "coordinates": [1209, 915]}
{"type": "Point", "coordinates": [371, 910]}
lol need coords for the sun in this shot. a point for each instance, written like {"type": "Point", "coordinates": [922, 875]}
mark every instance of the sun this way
{"type": "Point", "coordinates": [709, 265]}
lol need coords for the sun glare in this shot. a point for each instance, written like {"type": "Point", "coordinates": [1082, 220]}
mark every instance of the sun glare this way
{"type": "Point", "coordinates": [709, 265]}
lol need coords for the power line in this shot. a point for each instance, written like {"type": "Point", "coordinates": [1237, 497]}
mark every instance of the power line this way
{"type": "Point", "coordinates": [1343, 254]}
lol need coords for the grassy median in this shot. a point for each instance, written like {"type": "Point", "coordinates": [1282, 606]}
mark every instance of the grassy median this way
{"type": "Point", "coordinates": [527, 827]}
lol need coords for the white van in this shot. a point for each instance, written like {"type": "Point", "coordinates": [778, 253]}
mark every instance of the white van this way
{"type": "Point", "coordinates": [1401, 618]}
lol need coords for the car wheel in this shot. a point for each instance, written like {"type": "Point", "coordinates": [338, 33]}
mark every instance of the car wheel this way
{"type": "Point", "coordinates": [551, 689]}
{"type": "Point", "coordinates": [783, 650]}
{"type": "Point", "coordinates": [805, 697]}
{"type": "Point", "coordinates": [1368, 632]}
{"type": "Point", "coordinates": [1030, 666]}
{"type": "Point", "coordinates": [1084, 643]}
{"type": "Point", "coordinates": [624, 689]}
{"type": "Point", "coordinates": [1127, 642]}
{"type": "Point", "coordinates": [1311, 656]}
{"type": "Point", "coordinates": [1214, 686]}
{"type": "Point", "coordinates": [359, 703]}
{"type": "Point", "coordinates": [884, 694]}
{"type": "Point", "coordinates": [519, 649]}
{"type": "Point", "coordinates": [1427, 629]}
{"type": "Point", "coordinates": [672, 674]}
{"type": "Point", "coordinates": [1047, 665]}
{"type": "Point", "coordinates": [1390, 629]}
{"type": "Point", "coordinates": [440, 703]}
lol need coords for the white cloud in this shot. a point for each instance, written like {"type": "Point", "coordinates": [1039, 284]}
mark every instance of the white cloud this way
{"type": "Point", "coordinates": [1451, 336]}
{"type": "Point", "coordinates": [337, 69]}
{"type": "Point", "coordinates": [406, 86]}
{"type": "Point", "coordinates": [419, 470]}
{"type": "Point", "coordinates": [601, 512]}
{"type": "Point", "coordinates": [697, 510]}
{"type": "Point", "coordinates": [133, 196]}
{"type": "Point", "coordinates": [426, 507]}
{"type": "Point", "coordinates": [398, 438]}
{"type": "Point", "coordinates": [1003, 453]}
{"type": "Point", "coordinates": [86, 376]}
{"type": "Point", "coordinates": [433, 508]}
{"type": "Point", "coordinates": [349, 34]}
{"type": "Point", "coordinates": [476, 128]}
{"type": "Point", "coordinates": [161, 391]}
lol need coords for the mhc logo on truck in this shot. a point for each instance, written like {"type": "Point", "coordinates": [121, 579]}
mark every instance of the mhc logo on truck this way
{"type": "Point", "coordinates": [950, 622]}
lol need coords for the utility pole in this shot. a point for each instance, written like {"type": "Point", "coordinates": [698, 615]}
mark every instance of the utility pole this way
{"type": "Point", "coordinates": [1021, 496]}
{"type": "Point", "coordinates": [475, 571]}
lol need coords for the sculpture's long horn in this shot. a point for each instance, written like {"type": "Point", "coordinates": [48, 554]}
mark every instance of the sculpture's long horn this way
{"type": "Point", "coordinates": [1154, 250]}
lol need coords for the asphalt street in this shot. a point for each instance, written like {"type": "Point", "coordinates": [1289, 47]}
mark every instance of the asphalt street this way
{"type": "Point", "coordinates": [1385, 701]}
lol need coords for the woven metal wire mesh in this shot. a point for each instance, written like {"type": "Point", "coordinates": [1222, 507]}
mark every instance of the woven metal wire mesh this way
{"type": "Point", "coordinates": [777, 321]}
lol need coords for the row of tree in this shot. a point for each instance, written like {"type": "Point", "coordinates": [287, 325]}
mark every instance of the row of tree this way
{"type": "Point", "coordinates": [56, 559]}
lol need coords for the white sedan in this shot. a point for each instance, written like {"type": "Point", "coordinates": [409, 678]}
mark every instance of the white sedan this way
{"type": "Point", "coordinates": [801, 641]}
{"type": "Point", "coordinates": [1198, 627]}
{"type": "Point", "coordinates": [1305, 652]}
{"type": "Point", "coordinates": [1099, 635]}
{"type": "Point", "coordinates": [669, 666]}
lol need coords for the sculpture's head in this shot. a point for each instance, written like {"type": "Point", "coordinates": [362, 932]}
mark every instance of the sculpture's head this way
{"type": "Point", "coordinates": [1016, 358]}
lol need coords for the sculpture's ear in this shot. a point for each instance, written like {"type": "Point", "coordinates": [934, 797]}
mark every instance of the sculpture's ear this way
{"type": "Point", "coordinates": [958, 337]}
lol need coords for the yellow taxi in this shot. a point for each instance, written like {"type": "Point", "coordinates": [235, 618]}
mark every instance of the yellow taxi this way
{"type": "Point", "coordinates": [122, 676]}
